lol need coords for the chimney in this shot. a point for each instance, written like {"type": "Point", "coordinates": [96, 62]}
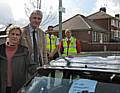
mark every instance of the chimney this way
{"type": "Point", "coordinates": [103, 9]}
{"type": "Point", "coordinates": [117, 15]}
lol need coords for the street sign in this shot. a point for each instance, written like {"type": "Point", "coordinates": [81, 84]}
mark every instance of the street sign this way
{"type": "Point", "coordinates": [62, 9]}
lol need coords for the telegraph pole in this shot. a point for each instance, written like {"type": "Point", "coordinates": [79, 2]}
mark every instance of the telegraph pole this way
{"type": "Point", "coordinates": [60, 19]}
{"type": "Point", "coordinates": [38, 4]}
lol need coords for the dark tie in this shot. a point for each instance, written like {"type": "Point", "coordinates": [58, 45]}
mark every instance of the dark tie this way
{"type": "Point", "coordinates": [35, 48]}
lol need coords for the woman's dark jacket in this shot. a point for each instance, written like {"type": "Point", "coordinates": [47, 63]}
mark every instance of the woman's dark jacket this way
{"type": "Point", "coordinates": [20, 67]}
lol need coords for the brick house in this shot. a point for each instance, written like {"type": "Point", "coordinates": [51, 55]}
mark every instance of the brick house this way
{"type": "Point", "coordinates": [94, 31]}
{"type": "Point", "coordinates": [108, 22]}
{"type": "Point", "coordinates": [84, 29]}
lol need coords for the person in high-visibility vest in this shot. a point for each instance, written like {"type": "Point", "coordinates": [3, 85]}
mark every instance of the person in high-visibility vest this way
{"type": "Point", "coordinates": [52, 44]}
{"type": "Point", "coordinates": [69, 46]}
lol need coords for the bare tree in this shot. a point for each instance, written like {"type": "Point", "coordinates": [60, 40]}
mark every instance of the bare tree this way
{"type": "Point", "coordinates": [50, 16]}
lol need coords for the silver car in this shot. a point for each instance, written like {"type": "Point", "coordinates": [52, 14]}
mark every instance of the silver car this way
{"type": "Point", "coordinates": [91, 74]}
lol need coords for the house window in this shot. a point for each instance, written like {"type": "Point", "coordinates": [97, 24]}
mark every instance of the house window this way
{"type": "Point", "coordinates": [100, 37]}
{"type": "Point", "coordinates": [116, 23]}
{"type": "Point", "coordinates": [119, 25]}
{"type": "Point", "coordinates": [97, 36]}
{"type": "Point", "coordinates": [112, 33]}
{"type": "Point", "coordinates": [112, 22]}
{"type": "Point", "coordinates": [104, 37]}
{"type": "Point", "coordinates": [94, 39]}
{"type": "Point", "coordinates": [116, 33]}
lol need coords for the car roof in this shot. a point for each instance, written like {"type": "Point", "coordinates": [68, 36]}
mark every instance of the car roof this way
{"type": "Point", "coordinates": [109, 64]}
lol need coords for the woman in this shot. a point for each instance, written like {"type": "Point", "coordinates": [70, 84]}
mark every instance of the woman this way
{"type": "Point", "coordinates": [14, 62]}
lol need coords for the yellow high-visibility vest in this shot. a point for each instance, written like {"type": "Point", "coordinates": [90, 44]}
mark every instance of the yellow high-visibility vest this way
{"type": "Point", "coordinates": [50, 45]}
{"type": "Point", "coordinates": [72, 47]}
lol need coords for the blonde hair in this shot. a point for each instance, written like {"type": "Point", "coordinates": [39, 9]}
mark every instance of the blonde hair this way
{"type": "Point", "coordinates": [11, 28]}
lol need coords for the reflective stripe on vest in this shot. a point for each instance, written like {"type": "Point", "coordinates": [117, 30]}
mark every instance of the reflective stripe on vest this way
{"type": "Point", "coordinates": [53, 41]}
{"type": "Point", "coordinates": [72, 47]}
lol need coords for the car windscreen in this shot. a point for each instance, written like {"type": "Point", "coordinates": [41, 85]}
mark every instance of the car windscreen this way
{"type": "Point", "coordinates": [73, 81]}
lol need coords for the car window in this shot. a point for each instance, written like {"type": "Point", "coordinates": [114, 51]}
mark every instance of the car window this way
{"type": "Point", "coordinates": [73, 81]}
{"type": "Point", "coordinates": [58, 77]}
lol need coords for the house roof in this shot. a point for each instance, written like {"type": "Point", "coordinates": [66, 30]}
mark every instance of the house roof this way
{"type": "Point", "coordinates": [94, 26]}
{"type": "Point", "coordinates": [99, 15]}
{"type": "Point", "coordinates": [79, 22]}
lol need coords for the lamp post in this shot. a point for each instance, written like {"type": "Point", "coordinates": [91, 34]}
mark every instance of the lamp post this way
{"type": "Point", "coordinates": [61, 10]}
{"type": "Point", "coordinates": [60, 19]}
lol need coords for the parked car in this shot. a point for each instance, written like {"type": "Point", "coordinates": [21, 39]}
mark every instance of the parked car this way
{"type": "Point", "coordinates": [91, 74]}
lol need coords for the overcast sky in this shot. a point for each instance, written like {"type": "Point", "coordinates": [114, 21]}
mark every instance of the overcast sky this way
{"type": "Point", "coordinates": [12, 11]}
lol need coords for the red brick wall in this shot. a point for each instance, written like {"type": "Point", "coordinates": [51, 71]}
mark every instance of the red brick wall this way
{"type": "Point", "coordinates": [89, 47]}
